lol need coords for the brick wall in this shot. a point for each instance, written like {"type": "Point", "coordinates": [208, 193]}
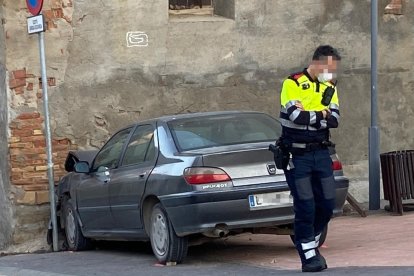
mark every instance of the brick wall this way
{"type": "Point", "coordinates": [28, 159]}
{"type": "Point", "coordinates": [27, 144]}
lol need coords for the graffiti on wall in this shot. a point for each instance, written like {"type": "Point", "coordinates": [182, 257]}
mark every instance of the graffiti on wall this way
{"type": "Point", "coordinates": [137, 39]}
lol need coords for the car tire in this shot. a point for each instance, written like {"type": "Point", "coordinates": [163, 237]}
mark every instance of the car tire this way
{"type": "Point", "coordinates": [166, 245]}
{"type": "Point", "coordinates": [321, 240]}
{"type": "Point", "coordinates": [74, 237]}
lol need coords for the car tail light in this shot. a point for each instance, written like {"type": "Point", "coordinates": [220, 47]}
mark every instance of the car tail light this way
{"type": "Point", "coordinates": [203, 175]}
{"type": "Point", "coordinates": [336, 165]}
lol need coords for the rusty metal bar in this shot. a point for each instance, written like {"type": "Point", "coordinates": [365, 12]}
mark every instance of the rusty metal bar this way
{"type": "Point", "coordinates": [398, 183]}
{"type": "Point", "coordinates": [407, 193]}
{"type": "Point", "coordinates": [385, 176]}
{"type": "Point", "coordinates": [401, 173]}
{"type": "Point", "coordinates": [411, 173]}
{"type": "Point", "coordinates": [393, 189]}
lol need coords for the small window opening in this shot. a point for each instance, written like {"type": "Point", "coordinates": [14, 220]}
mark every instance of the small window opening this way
{"type": "Point", "coordinates": [394, 7]}
{"type": "Point", "coordinates": [191, 7]}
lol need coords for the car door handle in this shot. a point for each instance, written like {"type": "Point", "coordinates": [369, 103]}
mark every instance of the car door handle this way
{"type": "Point", "coordinates": [143, 174]}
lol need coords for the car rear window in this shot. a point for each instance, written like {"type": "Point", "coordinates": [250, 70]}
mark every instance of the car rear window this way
{"type": "Point", "coordinates": [219, 130]}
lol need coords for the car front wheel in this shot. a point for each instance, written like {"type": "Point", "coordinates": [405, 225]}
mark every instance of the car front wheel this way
{"type": "Point", "coordinates": [166, 245]}
{"type": "Point", "coordinates": [74, 237]}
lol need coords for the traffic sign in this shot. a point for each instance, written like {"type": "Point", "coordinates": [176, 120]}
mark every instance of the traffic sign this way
{"type": "Point", "coordinates": [36, 24]}
{"type": "Point", "coordinates": [34, 6]}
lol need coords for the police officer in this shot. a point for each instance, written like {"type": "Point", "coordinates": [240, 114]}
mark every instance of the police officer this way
{"type": "Point", "coordinates": [307, 114]}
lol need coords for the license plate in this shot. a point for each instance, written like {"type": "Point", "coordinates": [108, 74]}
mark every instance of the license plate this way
{"type": "Point", "coordinates": [270, 200]}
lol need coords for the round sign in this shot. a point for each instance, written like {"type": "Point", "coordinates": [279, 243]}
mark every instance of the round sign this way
{"type": "Point", "coordinates": [34, 6]}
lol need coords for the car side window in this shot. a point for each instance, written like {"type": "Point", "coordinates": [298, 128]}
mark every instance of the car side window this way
{"type": "Point", "coordinates": [141, 147]}
{"type": "Point", "coordinates": [109, 155]}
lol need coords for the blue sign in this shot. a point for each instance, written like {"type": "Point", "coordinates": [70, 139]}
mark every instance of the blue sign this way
{"type": "Point", "coordinates": [34, 6]}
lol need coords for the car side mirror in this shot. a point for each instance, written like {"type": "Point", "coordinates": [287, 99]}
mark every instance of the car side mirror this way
{"type": "Point", "coordinates": [82, 167]}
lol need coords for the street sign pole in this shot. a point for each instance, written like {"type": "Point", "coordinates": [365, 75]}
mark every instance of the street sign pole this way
{"type": "Point", "coordinates": [36, 24]}
{"type": "Point", "coordinates": [48, 142]}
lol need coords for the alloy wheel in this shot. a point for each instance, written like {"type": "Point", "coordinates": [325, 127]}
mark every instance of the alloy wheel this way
{"type": "Point", "coordinates": [70, 226]}
{"type": "Point", "coordinates": [160, 234]}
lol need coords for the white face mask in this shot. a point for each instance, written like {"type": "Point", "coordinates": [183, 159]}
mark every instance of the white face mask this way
{"type": "Point", "coordinates": [325, 76]}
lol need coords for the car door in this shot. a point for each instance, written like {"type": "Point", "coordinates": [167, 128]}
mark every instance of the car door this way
{"type": "Point", "coordinates": [127, 183]}
{"type": "Point", "coordinates": [92, 193]}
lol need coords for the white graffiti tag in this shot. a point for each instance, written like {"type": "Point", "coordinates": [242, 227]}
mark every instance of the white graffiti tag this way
{"type": "Point", "coordinates": [139, 39]}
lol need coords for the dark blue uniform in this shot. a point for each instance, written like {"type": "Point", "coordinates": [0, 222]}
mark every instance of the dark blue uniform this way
{"type": "Point", "coordinates": [310, 175]}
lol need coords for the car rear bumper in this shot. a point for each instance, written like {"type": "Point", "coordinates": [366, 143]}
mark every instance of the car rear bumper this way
{"type": "Point", "coordinates": [198, 212]}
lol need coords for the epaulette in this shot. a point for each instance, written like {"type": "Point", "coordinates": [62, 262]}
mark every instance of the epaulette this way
{"type": "Point", "coordinates": [296, 76]}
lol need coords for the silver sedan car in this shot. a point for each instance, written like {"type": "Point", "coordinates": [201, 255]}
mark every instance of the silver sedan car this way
{"type": "Point", "coordinates": [176, 179]}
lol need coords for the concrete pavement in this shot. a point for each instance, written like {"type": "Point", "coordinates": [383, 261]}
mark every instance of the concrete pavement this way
{"type": "Point", "coordinates": [378, 240]}
{"type": "Point", "coordinates": [380, 244]}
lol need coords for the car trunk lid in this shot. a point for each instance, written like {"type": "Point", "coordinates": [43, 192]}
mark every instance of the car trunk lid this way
{"type": "Point", "coordinates": [246, 164]}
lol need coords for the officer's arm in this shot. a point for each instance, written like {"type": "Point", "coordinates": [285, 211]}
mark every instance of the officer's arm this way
{"type": "Point", "coordinates": [332, 121]}
{"type": "Point", "coordinates": [289, 97]}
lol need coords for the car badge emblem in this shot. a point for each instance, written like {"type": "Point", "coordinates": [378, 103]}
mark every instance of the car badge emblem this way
{"type": "Point", "coordinates": [271, 168]}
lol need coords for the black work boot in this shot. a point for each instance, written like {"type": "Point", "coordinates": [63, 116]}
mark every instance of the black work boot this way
{"type": "Point", "coordinates": [312, 260]}
{"type": "Point", "coordinates": [314, 264]}
{"type": "Point", "coordinates": [321, 258]}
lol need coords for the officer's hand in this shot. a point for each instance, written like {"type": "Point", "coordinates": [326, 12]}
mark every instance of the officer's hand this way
{"type": "Point", "coordinates": [326, 113]}
{"type": "Point", "coordinates": [299, 105]}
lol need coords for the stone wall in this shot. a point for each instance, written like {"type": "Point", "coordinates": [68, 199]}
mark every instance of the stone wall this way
{"type": "Point", "coordinates": [5, 210]}
{"type": "Point", "coordinates": [101, 77]}
{"type": "Point", "coordinates": [27, 163]}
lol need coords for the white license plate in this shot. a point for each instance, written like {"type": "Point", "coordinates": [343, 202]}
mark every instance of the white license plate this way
{"type": "Point", "coordinates": [270, 200]}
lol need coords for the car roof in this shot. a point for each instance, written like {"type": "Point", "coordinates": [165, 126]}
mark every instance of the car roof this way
{"type": "Point", "coordinates": [169, 118]}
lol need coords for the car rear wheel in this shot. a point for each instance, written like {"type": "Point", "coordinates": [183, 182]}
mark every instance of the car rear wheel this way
{"type": "Point", "coordinates": [166, 245]}
{"type": "Point", "coordinates": [321, 239]}
{"type": "Point", "coordinates": [74, 237]}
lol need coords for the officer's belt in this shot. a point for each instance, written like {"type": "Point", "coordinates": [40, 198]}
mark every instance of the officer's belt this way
{"type": "Point", "coordinates": [308, 146]}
